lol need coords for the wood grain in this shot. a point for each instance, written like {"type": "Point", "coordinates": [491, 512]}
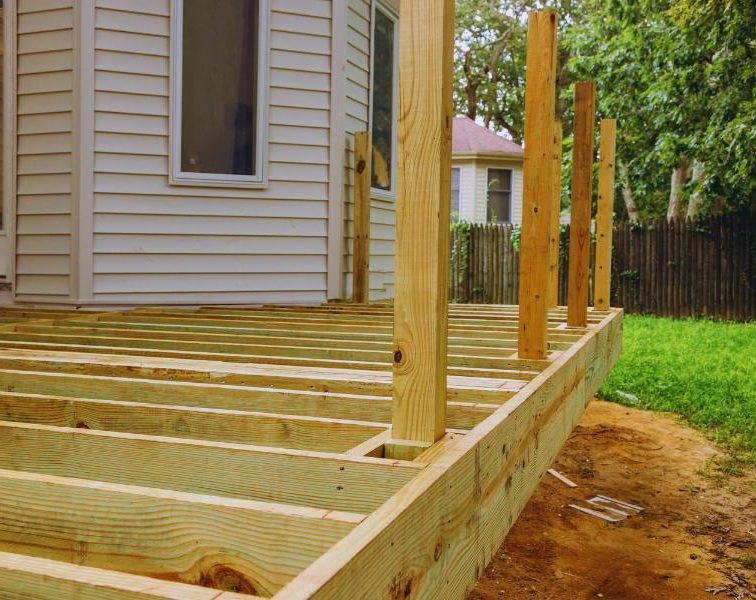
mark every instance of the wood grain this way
{"type": "Point", "coordinates": [362, 170]}
{"type": "Point", "coordinates": [582, 189]}
{"type": "Point", "coordinates": [422, 214]}
{"type": "Point", "coordinates": [602, 287]}
{"type": "Point", "coordinates": [21, 576]}
{"type": "Point", "coordinates": [538, 185]}
{"type": "Point", "coordinates": [556, 211]}
{"type": "Point", "coordinates": [325, 481]}
{"type": "Point", "coordinates": [181, 537]}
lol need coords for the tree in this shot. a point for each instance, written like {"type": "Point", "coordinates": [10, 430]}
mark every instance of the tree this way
{"type": "Point", "coordinates": [680, 77]}
{"type": "Point", "coordinates": [490, 59]}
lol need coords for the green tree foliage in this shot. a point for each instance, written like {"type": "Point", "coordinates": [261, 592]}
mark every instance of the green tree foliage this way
{"type": "Point", "coordinates": [680, 77]}
{"type": "Point", "coordinates": [490, 58]}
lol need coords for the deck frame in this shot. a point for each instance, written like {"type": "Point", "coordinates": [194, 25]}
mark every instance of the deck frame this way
{"type": "Point", "coordinates": [296, 447]}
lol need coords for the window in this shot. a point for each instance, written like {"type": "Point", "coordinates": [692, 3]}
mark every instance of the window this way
{"type": "Point", "coordinates": [383, 115]}
{"type": "Point", "coordinates": [499, 195]}
{"type": "Point", "coordinates": [455, 194]}
{"type": "Point", "coordinates": [218, 91]}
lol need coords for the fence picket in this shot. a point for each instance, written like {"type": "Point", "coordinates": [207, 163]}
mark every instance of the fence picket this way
{"type": "Point", "coordinates": [680, 269]}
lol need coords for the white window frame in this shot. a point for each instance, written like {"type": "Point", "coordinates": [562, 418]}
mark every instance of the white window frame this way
{"type": "Point", "coordinates": [392, 15]}
{"type": "Point", "coordinates": [177, 176]}
{"type": "Point", "coordinates": [511, 194]}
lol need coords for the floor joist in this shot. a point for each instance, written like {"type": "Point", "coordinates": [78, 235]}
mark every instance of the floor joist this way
{"type": "Point", "coordinates": [242, 450]}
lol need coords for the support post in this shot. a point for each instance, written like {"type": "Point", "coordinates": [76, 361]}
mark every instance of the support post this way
{"type": "Point", "coordinates": [421, 301]}
{"type": "Point", "coordinates": [580, 219]}
{"type": "Point", "coordinates": [361, 266]}
{"type": "Point", "coordinates": [540, 94]}
{"type": "Point", "coordinates": [602, 287]}
{"type": "Point", "coordinates": [556, 211]}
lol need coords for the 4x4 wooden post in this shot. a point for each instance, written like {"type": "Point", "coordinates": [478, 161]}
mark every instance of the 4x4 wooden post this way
{"type": "Point", "coordinates": [540, 94]}
{"type": "Point", "coordinates": [602, 289]}
{"type": "Point", "coordinates": [422, 215]}
{"type": "Point", "coordinates": [361, 262]}
{"type": "Point", "coordinates": [556, 209]}
{"type": "Point", "coordinates": [580, 219]}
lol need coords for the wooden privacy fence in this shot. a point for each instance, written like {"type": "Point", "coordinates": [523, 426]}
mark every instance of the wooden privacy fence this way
{"type": "Point", "coordinates": [677, 269]}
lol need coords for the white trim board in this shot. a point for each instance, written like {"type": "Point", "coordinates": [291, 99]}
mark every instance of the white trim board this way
{"type": "Point", "coordinates": [177, 177]}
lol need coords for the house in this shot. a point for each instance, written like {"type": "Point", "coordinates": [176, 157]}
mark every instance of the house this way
{"type": "Point", "coordinates": [486, 175]}
{"type": "Point", "coordinates": [189, 152]}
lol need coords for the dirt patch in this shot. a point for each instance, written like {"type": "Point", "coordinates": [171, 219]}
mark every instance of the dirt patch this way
{"type": "Point", "coordinates": [696, 538]}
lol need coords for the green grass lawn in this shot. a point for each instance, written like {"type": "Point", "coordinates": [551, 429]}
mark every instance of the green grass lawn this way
{"type": "Point", "coordinates": [702, 370]}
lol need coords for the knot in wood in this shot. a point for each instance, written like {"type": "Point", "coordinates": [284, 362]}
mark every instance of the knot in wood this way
{"type": "Point", "coordinates": [398, 357]}
{"type": "Point", "coordinates": [361, 167]}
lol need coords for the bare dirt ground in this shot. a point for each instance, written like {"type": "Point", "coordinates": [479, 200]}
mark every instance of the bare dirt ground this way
{"type": "Point", "coordinates": [696, 538]}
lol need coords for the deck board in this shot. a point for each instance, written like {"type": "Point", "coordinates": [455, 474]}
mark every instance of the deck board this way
{"type": "Point", "coordinates": [121, 432]}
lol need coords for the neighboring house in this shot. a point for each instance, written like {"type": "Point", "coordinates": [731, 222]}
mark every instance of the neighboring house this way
{"type": "Point", "coordinates": [190, 152]}
{"type": "Point", "coordinates": [486, 175]}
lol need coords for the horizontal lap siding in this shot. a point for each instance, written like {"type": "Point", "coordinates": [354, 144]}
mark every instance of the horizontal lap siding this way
{"type": "Point", "coordinates": [44, 126]}
{"type": "Point", "coordinates": [159, 243]}
{"type": "Point", "coordinates": [382, 212]}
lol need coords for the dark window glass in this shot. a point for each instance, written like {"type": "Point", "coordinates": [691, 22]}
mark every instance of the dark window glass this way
{"type": "Point", "coordinates": [383, 101]}
{"type": "Point", "coordinates": [500, 195]}
{"type": "Point", "coordinates": [455, 194]}
{"type": "Point", "coordinates": [219, 91]}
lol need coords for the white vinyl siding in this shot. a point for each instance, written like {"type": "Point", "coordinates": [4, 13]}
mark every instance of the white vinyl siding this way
{"type": "Point", "coordinates": [44, 148]}
{"type": "Point", "coordinates": [382, 211]}
{"type": "Point", "coordinates": [466, 189]}
{"type": "Point", "coordinates": [159, 243]}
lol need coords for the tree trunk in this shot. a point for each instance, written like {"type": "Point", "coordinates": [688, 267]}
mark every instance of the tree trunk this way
{"type": "Point", "coordinates": [696, 198]}
{"type": "Point", "coordinates": [679, 178]}
{"type": "Point", "coordinates": [627, 194]}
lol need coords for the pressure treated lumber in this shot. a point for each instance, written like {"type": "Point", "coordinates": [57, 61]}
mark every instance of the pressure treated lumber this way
{"type": "Point", "coordinates": [325, 481]}
{"type": "Point", "coordinates": [422, 214]}
{"type": "Point", "coordinates": [538, 185]}
{"type": "Point", "coordinates": [211, 424]}
{"type": "Point", "coordinates": [582, 189]}
{"type": "Point", "coordinates": [361, 263]}
{"type": "Point", "coordinates": [459, 508]}
{"type": "Point", "coordinates": [153, 460]}
{"type": "Point", "coordinates": [604, 216]}
{"type": "Point", "coordinates": [53, 579]}
{"type": "Point", "coordinates": [188, 538]}
{"type": "Point", "coordinates": [250, 376]}
{"type": "Point", "coordinates": [366, 407]}
{"type": "Point", "coordinates": [556, 211]}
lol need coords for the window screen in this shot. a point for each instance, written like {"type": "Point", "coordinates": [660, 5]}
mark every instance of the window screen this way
{"type": "Point", "coordinates": [219, 87]}
{"type": "Point", "coordinates": [500, 195]}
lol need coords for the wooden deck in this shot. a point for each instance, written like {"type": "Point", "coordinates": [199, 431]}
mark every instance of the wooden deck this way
{"type": "Point", "coordinates": [219, 453]}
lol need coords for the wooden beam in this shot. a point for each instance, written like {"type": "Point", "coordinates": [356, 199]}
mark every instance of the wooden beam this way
{"type": "Point", "coordinates": [20, 574]}
{"type": "Point", "coordinates": [458, 514]}
{"type": "Point", "coordinates": [582, 189]}
{"type": "Point", "coordinates": [556, 211]}
{"type": "Point", "coordinates": [212, 424]}
{"type": "Point", "coordinates": [602, 288]}
{"type": "Point", "coordinates": [293, 477]}
{"type": "Point", "coordinates": [538, 185]}
{"type": "Point", "coordinates": [422, 214]}
{"type": "Point", "coordinates": [375, 408]}
{"type": "Point", "coordinates": [361, 266]}
{"type": "Point", "coordinates": [190, 538]}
